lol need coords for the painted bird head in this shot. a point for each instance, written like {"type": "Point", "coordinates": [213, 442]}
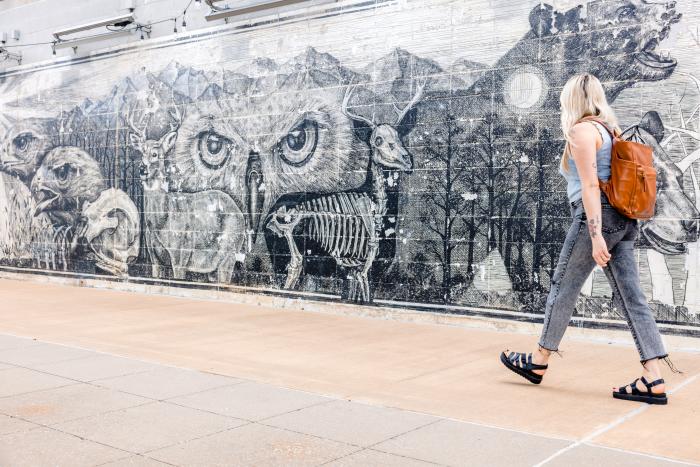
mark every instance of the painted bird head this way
{"type": "Point", "coordinates": [65, 180]}
{"type": "Point", "coordinates": [25, 145]}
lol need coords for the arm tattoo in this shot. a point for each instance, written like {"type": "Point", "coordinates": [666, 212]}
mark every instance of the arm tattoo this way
{"type": "Point", "coordinates": [594, 165]}
{"type": "Point", "coordinates": [593, 227]}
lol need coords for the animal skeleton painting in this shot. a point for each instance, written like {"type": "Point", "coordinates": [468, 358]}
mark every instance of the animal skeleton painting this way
{"type": "Point", "coordinates": [373, 172]}
{"type": "Point", "coordinates": [348, 225]}
{"type": "Point", "coordinates": [110, 227]}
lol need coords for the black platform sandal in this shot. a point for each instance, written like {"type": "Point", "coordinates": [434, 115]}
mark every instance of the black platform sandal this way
{"type": "Point", "coordinates": [642, 396]}
{"type": "Point", "coordinates": [521, 364]}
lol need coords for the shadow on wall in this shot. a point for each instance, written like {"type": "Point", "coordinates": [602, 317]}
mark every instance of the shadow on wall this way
{"type": "Point", "coordinates": [401, 180]}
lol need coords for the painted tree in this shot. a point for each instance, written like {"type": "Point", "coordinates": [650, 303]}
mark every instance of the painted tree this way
{"type": "Point", "coordinates": [516, 204]}
{"type": "Point", "coordinates": [550, 209]}
{"type": "Point", "coordinates": [447, 198]}
{"type": "Point", "coordinates": [493, 157]}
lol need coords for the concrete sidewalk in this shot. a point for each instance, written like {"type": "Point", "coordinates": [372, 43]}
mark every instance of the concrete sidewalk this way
{"type": "Point", "coordinates": [282, 387]}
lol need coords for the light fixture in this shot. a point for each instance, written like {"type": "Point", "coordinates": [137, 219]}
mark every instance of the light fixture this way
{"type": "Point", "coordinates": [4, 36]}
{"type": "Point", "coordinates": [144, 29]}
{"type": "Point", "coordinates": [7, 55]}
{"type": "Point", "coordinates": [117, 21]}
{"type": "Point", "coordinates": [62, 44]}
{"type": "Point", "coordinates": [65, 38]}
{"type": "Point", "coordinates": [253, 6]}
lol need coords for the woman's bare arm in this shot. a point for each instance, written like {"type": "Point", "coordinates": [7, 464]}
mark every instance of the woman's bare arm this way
{"type": "Point", "coordinates": [583, 141]}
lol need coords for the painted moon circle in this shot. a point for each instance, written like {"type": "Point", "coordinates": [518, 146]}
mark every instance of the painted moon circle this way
{"type": "Point", "coordinates": [524, 89]}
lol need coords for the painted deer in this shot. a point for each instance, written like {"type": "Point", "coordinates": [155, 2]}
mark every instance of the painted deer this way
{"type": "Point", "coordinates": [675, 225]}
{"type": "Point", "coordinates": [199, 232]}
{"type": "Point", "coordinates": [349, 225]}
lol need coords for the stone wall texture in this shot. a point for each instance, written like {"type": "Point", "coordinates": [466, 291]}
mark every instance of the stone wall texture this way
{"type": "Point", "coordinates": [384, 151]}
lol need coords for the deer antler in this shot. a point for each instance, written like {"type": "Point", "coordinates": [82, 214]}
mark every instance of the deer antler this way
{"type": "Point", "coordinates": [693, 78]}
{"type": "Point", "coordinates": [348, 92]}
{"type": "Point", "coordinates": [691, 133]}
{"type": "Point", "coordinates": [685, 163]}
{"type": "Point", "coordinates": [416, 97]}
{"type": "Point", "coordinates": [696, 134]}
{"type": "Point", "coordinates": [141, 134]}
{"type": "Point", "coordinates": [177, 116]}
{"type": "Point", "coordinates": [689, 159]}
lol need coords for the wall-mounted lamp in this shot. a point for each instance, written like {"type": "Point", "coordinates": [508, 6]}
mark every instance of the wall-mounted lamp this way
{"type": "Point", "coordinates": [64, 39]}
{"type": "Point", "coordinates": [218, 12]}
{"type": "Point", "coordinates": [117, 22]}
{"type": "Point", "coordinates": [4, 36]}
{"type": "Point", "coordinates": [7, 55]}
{"type": "Point", "coordinates": [62, 44]}
{"type": "Point", "coordinates": [146, 29]}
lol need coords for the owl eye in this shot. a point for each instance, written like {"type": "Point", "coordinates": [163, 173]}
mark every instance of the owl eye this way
{"type": "Point", "coordinates": [299, 144]}
{"type": "Point", "coordinates": [214, 149]}
{"type": "Point", "coordinates": [378, 141]}
{"type": "Point", "coordinates": [21, 142]}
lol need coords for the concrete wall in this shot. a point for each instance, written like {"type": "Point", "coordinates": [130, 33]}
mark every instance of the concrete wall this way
{"type": "Point", "coordinates": [386, 152]}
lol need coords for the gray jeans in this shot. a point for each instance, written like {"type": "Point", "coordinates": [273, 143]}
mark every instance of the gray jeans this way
{"type": "Point", "coordinates": [576, 264]}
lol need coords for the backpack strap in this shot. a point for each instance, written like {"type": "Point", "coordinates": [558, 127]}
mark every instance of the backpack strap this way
{"type": "Point", "coordinates": [604, 185]}
{"type": "Point", "coordinates": [600, 121]}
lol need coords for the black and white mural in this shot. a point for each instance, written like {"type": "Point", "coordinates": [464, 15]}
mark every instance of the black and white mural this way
{"type": "Point", "coordinates": [405, 153]}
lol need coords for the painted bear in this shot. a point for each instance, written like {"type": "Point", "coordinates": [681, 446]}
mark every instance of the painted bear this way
{"type": "Point", "coordinates": [513, 115]}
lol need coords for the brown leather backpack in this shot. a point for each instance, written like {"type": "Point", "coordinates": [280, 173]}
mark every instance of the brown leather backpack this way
{"type": "Point", "coordinates": [631, 188]}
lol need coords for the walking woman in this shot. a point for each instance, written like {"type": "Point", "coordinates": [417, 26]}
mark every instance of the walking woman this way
{"type": "Point", "coordinates": [600, 235]}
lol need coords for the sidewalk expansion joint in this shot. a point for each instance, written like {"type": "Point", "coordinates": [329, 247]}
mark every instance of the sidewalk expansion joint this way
{"type": "Point", "coordinates": [594, 434]}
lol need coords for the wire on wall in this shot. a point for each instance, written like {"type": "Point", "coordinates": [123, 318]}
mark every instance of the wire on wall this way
{"type": "Point", "coordinates": [142, 28]}
{"type": "Point", "coordinates": [6, 55]}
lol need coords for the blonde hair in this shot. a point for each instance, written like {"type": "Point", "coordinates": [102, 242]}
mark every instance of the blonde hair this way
{"type": "Point", "coordinates": [583, 96]}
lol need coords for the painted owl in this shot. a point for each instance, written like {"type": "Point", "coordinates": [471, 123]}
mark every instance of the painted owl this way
{"type": "Point", "coordinates": [259, 149]}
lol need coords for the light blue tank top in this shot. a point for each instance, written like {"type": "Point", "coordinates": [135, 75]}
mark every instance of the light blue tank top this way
{"type": "Point", "coordinates": [573, 186]}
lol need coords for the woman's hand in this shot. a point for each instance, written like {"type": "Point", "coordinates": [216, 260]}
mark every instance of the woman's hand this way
{"type": "Point", "coordinates": [601, 255]}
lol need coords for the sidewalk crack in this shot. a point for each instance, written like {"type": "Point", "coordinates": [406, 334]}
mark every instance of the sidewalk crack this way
{"type": "Point", "coordinates": [594, 434]}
